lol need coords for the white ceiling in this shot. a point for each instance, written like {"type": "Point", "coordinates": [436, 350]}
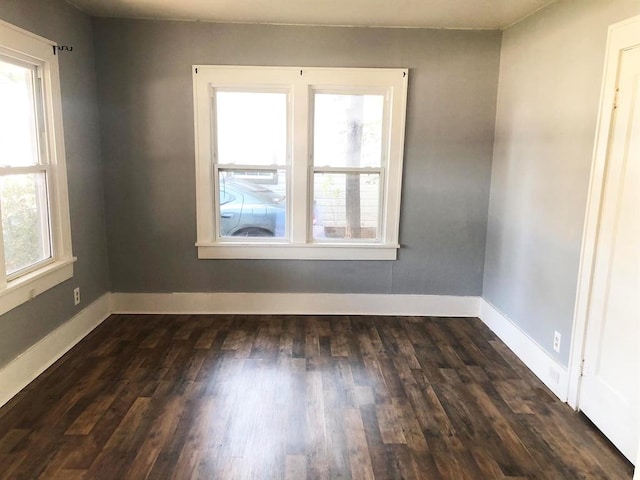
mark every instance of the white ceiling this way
{"type": "Point", "coordinates": [458, 14]}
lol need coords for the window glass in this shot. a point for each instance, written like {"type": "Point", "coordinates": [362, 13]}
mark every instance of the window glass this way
{"type": "Point", "coordinates": [250, 208]}
{"type": "Point", "coordinates": [347, 130]}
{"type": "Point", "coordinates": [25, 220]}
{"type": "Point", "coordinates": [225, 196]}
{"type": "Point", "coordinates": [251, 128]}
{"type": "Point", "coordinates": [346, 206]}
{"type": "Point", "coordinates": [18, 131]}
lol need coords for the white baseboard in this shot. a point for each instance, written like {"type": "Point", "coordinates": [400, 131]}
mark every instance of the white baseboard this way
{"type": "Point", "coordinates": [296, 304]}
{"type": "Point", "coordinates": [28, 365]}
{"type": "Point", "coordinates": [551, 373]}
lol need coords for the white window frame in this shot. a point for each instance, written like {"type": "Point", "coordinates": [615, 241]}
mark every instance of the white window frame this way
{"type": "Point", "coordinates": [38, 52]}
{"type": "Point", "coordinates": [300, 83]}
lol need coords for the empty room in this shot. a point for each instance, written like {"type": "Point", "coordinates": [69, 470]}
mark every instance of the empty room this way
{"type": "Point", "coordinates": [319, 240]}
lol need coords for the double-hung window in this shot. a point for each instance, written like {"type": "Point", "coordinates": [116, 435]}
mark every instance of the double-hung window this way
{"type": "Point", "coordinates": [35, 241]}
{"type": "Point", "coordinates": [298, 162]}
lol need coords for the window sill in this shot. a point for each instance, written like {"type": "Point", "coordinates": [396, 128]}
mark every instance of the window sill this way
{"type": "Point", "coordinates": [314, 251]}
{"type": "Point", "coordinates": [28, 286]}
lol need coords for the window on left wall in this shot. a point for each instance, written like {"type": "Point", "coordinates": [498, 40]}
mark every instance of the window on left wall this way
{"type": "Point", "coordinates": [35, 234]}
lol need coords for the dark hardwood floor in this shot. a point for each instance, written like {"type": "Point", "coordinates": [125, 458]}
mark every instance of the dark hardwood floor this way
{"type": "Point", "coordinates": [287, 397]}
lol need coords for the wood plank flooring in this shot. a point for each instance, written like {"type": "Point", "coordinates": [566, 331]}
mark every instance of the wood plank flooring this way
{"type": "Point", "coordinates": [296, 397]}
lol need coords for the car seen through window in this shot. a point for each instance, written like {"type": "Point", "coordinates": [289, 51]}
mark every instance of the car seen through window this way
{"type": "Point", "coordinates": [250, 210]}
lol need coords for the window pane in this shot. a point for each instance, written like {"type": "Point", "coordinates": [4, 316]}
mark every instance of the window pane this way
{"type": "Point", "coordinates": [345, 205]}
{"type": "Point", "coordinates": [251, 206]}
{"type": "Point", "coordinates": [347, 130]}
{"type": "Point", "coordinates": [25, 220]}
{"type": "Point", "coordinates": [18, 134]}
{"type": "Point", "coordinates": [252, 128]}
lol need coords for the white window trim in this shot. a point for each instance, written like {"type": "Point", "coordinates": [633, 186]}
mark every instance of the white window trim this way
{"type": "Point", "coordinates": [26, 46]}
{"type": "Point", "coordinates": [300, 82]}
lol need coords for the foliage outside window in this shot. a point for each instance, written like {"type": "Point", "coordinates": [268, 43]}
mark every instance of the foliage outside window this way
{"type": "Point", "coordinates": [298, 162]}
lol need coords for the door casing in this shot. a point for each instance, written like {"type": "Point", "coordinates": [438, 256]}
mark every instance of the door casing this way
{"type": "Point", "coordinates": [621, 36]}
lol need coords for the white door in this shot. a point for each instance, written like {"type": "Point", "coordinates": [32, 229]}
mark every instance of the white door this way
{"type": "Point", "coordinates": [609, 389]}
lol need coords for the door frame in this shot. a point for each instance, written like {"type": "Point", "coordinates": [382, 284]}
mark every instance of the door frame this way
{"type": "Point", "coordinates": [621, 36]}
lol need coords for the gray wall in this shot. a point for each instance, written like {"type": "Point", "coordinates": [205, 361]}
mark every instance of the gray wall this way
{"type": "Point", "coordinates": [58, 21]}
{"type": "Point", "coordinates": [548, 96]}
{"type": "Point", "coordinates": [146, 107]}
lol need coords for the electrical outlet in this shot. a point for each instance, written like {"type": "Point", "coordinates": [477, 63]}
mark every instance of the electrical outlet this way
{"type": "Point", "coordinates": [76, 295]}
{"type": "Point", "coordinates": [556, 341]}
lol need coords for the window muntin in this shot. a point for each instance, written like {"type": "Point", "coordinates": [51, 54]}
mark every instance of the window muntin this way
{"type": "Point", "coordinates": [35, 233]}
{"type": "Point", "coordinates": [315, 151]}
